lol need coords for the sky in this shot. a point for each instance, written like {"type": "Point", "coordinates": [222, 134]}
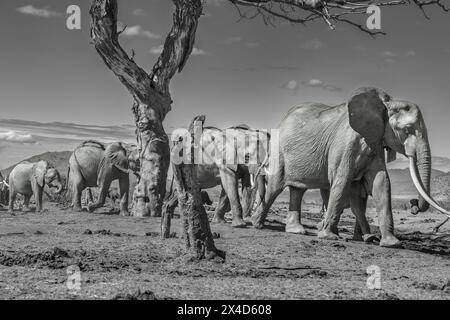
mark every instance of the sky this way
{"type": "Point", "coordinates": [242, 71]}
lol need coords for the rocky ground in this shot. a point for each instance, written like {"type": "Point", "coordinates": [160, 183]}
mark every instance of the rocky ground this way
{"type": "Point", "coordinates": [123, 257]}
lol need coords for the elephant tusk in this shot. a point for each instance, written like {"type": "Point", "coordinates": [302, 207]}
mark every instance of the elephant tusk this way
{"type": "Point", "coordinates": [419, 187]}
{"type": "Point", "coordinates": [5, 183]}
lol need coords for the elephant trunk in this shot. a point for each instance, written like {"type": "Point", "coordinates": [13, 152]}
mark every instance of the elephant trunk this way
{"type": "Point", "coordinates": [59, 188]}
{"type": "Point", "coordinates": [423, 158]}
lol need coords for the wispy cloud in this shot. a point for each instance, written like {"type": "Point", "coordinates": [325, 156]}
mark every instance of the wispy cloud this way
{"type": "Point", "coordinates": [294, 85]}
{"type": "Point", "coordinates": [14, 136]}
{"type": "Point", "coordinates": [38, 12]}
{"type": "Point", "coordinates": [21, 139]}
{"type": "Point", "coordinates": [284, 68]}
{"type": "Point", "coordinates": [231, 40]}
{"type": "Point", "coordinates": [135, 31]}
{"type": "Point", "coordinates": [195, 51]}
{"type": "Point", "coordinates": [291, 85]}
{"type": "Point", "coordinates": [314, 44]}
{"type": "Point", "coordinates": [316, 83]}
{"type": "Point", "coordinates": [389, 57]}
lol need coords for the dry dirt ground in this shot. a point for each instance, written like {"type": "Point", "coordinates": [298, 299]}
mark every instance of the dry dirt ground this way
{"type": "Point", "coordinates": [124, 257]}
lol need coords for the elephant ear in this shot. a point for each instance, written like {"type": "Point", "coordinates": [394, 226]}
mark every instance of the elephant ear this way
{"type": "Point", "coordinates": [39, 171]}
{"type": "Point", "coordinates": [115, 155]}
{"type": "Point", "coordinates": [368, 115]}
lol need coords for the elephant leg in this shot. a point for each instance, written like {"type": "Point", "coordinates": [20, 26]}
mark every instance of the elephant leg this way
{"type": "Point", "coordinates": [12, 199]}
{"type": "Point", "coordinates": [223, 206]}
{"type": "Point", "coordinates": [261, 190]}
{"type": "Point", "coordinates": [89, 195]}
{"type": "Point", "coordinates": [77, 190]}
{"type": "Point", "coordinates": [379, 182]}
{"type": "Point", "coordinates": [275, 186]}
{"type": "Point", "coordinates": [124, 185]}
{"type": "Point", "coordinates": [38, 194]}
{"type": "Point", "coordinates": [293, 219]}
{"type": "Point", "coordinates": [247, 196]}
{"type": "Point", "coordinates": [339, 194]}
{"type": "Point", "coordinates": [358, 204]}
{"type": "Point", "coordinates": [325, 194]}
{"type": "Point", "coordinates": [26, 203]}
{"type": "Point", "coordinates": [230, 184]}
{"type": "Point", "coordinates": [104, 187]}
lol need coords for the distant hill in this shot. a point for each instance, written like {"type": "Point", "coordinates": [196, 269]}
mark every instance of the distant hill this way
{"type": "Point", "coordinates": [402, 184]}
{"type": "Point", "coordinates": [60, 160]}
{"type": "Point", "coordinates": [439, 163]}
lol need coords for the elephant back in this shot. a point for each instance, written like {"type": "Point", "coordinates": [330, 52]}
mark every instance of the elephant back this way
{"type": "Point", "coordinates": [115, 155]}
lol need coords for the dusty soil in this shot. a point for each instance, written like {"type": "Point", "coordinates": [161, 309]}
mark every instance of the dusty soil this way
{"type": "Point", "coordinates": [124, 258]}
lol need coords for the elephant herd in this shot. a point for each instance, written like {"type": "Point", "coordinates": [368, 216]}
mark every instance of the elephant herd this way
{"type": "Point", "coordinates": [342, 150]}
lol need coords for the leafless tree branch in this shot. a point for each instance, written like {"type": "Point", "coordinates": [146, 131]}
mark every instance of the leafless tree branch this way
{"type": "Point", "coordinates": [330, 11]}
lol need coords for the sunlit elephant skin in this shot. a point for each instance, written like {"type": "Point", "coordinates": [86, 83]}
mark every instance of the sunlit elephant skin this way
{"type": "Point", "coordinates": [341, 149]}
{"type": "Point", "coordinates": [94, 164]}
{"type": "Point", "coordinates": [29, 179]}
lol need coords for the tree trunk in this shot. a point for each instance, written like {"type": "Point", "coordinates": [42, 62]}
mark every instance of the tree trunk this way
{"type": "Point", "coordinates": [152, 100]}
{"type": "Point", "coordinates": [194, 219]}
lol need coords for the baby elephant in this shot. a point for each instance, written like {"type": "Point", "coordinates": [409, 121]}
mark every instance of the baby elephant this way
{"type": "Point", "coordinates": [29, 179]}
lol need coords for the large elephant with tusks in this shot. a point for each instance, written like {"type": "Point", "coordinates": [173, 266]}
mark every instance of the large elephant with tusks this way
{"type": "Point", "coordinates": [94, 164]}
{"type": "Point", "coordinates": [341, 149]}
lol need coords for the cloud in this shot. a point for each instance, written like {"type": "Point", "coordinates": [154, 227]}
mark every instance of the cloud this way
{"type": "Point", "coordinates": [390, 57]}
{"type": "Point", "coordinates": [198, 52]}
{"type": "Point", "coordinates": [231, 40]}
{"type": "Point", "coordinates": [38, 12]}
{"type": "Point", "coordinates": [195, 51]}
{"type": "Point", "coordinates": [284, 68]}
{"type": "Point", "coordinates": [388, 54]}
{"type": "Point", "coordinates": [291, 85]}
{"type": "Point", "coordinates": [294, 85]}
{"type": "Point", "coordinates": [316, 83]}
{"type": "Point", "coordinates": [14, 136]}
{"type": "Point", "coordinates": [314, 44]}
{"type": "Point", "coordinates": [138, 12]}
{"type": "Point", "coordinates": [135, 31]}
{"type": "Point", "coordinates": [20, 139]}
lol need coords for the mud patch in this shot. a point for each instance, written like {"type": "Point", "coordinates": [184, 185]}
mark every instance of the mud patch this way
{"type": "Point", "coordinates": [138, 295]}
{"type": "Point", "coordinates": [426, 243]}
{"type": "Point", "coordinates": [92, 260]}
{"type": "Point", "coordinates": [55, 258]}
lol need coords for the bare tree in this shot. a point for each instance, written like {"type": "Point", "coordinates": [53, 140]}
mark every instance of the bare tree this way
{"type": "Point", "coordinates": [152, 100]}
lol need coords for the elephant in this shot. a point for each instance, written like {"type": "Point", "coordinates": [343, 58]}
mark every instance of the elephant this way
{"type": "Point", "coordinates": [341, 149]}
{"type": "Point", "coordinates": [28, 178]}
{"type": "Point", "coordinates": [94, 164]}
{"type": "Point", "coordinates": [209, 177]}
{"type": "Point", "coordinates": [217, 169]}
